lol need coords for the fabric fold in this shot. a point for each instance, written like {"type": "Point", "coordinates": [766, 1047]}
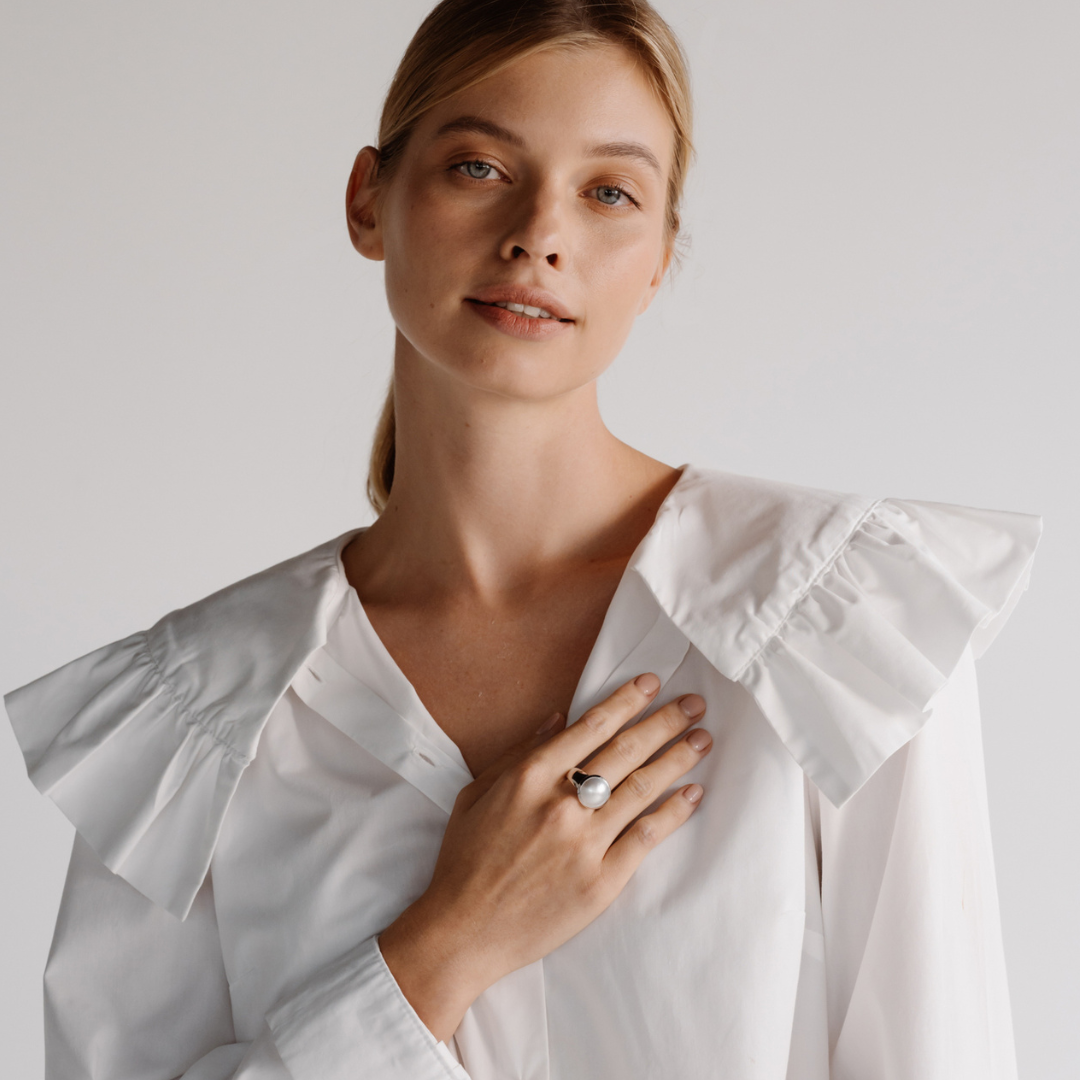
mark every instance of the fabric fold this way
{"type": "Point", "coordinates": [850, 672]}
{"type": "Point", "coordinates": [351, 1021]}
{"type": "Point", "coordinates": [141, 743]}
{"type": "Point", "coordinates": [143, 781]}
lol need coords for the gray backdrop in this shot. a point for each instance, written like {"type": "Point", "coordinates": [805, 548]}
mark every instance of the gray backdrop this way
{"type": "Point", "coordinates": [880, 296]}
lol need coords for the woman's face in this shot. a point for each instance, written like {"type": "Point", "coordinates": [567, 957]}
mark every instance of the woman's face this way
{"type": "Point", "coordinates": [542, 186]}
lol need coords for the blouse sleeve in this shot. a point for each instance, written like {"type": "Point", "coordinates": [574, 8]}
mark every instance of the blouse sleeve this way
{"type": "Point", "coordinates": [915, 969]}
{"type": "Point", "coordinates": [134, 993]}
{"type": "Point", "coordinates": [130, 990]}
{"type": "Point", "coordinates": [141, 744]}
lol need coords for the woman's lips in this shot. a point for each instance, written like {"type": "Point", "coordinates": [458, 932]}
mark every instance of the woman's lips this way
{"type": "Point", "coordinates": [529, 327]}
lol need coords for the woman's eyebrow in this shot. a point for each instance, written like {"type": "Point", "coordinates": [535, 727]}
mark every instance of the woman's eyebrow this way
{"type": "Point", "coordinates": [477, 125]}
{"type": "Point", "coordinates": [634, 151]}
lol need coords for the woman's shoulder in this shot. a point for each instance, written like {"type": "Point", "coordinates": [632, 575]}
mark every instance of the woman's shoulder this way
{"type": "Point", "coordinates": [843, 615]}
{"type": "Point", "coordinates": [141, 742]}
{"type": "Point", "coordinates": [759, 545]}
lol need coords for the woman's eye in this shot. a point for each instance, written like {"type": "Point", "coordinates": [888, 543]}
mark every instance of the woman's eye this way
{"type": "Point", "coordinates": [478, 170]}
{"type": "Point", "coordinates": [610, 196]}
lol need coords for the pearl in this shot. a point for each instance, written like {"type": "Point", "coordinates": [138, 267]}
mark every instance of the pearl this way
{"type": "Point", "coordinates": [594, 792]}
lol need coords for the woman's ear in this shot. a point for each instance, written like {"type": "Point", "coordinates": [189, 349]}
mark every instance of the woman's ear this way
{"type": "Point", "coordinates": [365, 229]}
{"type": "Point", "coordinates": [662, 265]}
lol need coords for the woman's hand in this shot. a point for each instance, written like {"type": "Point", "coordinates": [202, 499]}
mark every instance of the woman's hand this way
{"type": "Point", "coordinates": [524, 866]}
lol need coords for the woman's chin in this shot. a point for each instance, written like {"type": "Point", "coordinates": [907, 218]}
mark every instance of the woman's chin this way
{"type": "Point", "coordinates": [510, 375]}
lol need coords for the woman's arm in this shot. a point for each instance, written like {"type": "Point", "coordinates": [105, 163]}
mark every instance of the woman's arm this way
{"type": "Point", "coordinates": [915, 967]}
{"type": "Point", "coordinates": [134, 993]}
{"type": "Point", "coordinates": [523, 866]}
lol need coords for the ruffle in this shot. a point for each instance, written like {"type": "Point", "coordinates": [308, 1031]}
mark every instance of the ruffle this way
{"type": "Point", "coordinates": [141, 744]}
{"type": "Point", "coordinates": [849, 674]}
{"type": "Point", "coordinates": [130, 767]}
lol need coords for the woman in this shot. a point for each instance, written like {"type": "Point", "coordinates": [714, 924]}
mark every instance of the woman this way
{"type": "Point", "coordinates": [319, 833]}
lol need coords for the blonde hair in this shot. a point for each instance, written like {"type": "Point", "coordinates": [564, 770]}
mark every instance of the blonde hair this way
{"type": "Point", "coordinates": [462, 42]}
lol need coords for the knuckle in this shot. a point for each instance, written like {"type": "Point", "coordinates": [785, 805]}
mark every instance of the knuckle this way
{"type": "Point", "coordinates": [623, 702]}
{"type": "Point", "coordinates": [674, 719]}
{"type": "Point", "coordinates": [646, 833]}
{"type": "Point", "coordinates": [640, 784]}
{"type": "Point", "coordinates": [628, 748]}
{"type": "Point", "coordinates": [526, 775]}
{"type": "Point", "coordinates": [596, 719]}
{"type": "Point", "coordinates": [556, 812]}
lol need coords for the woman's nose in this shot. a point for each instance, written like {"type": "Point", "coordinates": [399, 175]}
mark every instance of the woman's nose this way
{"type": "Point", "coordinates": [537, 232]}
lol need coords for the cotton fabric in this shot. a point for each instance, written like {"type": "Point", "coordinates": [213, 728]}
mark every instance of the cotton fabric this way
{"type": "Point", "coordinates": [259, 791]}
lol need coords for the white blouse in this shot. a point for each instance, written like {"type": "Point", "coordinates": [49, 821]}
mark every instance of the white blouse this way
{"type": "Point", "coordinates": [259, 791]}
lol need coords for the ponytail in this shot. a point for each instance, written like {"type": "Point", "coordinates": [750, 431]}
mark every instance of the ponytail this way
{"type": "Point", "coordinates": [381, 468]}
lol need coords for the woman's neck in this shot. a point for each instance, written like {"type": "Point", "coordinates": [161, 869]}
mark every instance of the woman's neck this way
{"type": "Point", "coordinates": [492, 496]}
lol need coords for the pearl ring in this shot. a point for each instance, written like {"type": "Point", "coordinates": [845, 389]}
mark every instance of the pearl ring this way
{"type": "Point", "coordinates": [592, 790]}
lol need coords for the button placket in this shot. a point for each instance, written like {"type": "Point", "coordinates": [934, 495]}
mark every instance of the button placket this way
{"type": "Point", "coordinates": [362, 714]}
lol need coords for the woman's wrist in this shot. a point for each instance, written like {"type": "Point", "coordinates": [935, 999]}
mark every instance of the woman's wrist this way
{"type": "Point", "coordinates": [434, 966]}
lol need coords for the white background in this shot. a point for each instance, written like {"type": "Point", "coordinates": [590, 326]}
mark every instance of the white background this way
{"type": "Point", "coordinates": [881, 295]}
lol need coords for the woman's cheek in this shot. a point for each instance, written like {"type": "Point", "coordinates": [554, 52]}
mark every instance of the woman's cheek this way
{"type": "Point", "coordinates": [621, 291]}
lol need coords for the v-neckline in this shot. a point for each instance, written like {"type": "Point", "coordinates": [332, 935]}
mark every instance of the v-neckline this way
{"type": "Point", "coordinates": [644, 636]}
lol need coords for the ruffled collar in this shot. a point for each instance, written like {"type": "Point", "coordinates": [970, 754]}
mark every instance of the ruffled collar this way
{"type": "Point", "coordinates": [841, 616]}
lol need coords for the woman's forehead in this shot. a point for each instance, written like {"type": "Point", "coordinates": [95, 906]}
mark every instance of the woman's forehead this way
{"type": "Point", "coordinates": [582, 98]}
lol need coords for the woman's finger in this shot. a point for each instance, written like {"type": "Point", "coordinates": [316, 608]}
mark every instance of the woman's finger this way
{"type": "Point", "coordinates": [627, 853]}
{"type": "Point", "coordinates": [596, 726]}
{"type": "Point", "coordinates": [632, 747]}
{"type": "Point", "coordinates": [645, 785]}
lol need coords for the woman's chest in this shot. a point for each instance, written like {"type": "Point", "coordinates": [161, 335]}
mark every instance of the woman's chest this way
{"type": "Point", "coordinates": [491, 676]}
{"type": "Point", "coordinates": [325, 844]}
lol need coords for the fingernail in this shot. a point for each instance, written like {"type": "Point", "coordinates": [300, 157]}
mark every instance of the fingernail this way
{"type": "Point", "coordinates": [693, 792]}
{"type": "Point", "coordinates": [699, 739]}
{"type": "Point", "coordinates": [548, 724]}
{"type": "Point", "coordinates": [647, 684]}
{"type": "Point", "coordinates": [693, 705]}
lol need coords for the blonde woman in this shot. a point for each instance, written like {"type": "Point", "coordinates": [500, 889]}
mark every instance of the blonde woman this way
{"type": "Point", "coordinates": [324, 828]}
